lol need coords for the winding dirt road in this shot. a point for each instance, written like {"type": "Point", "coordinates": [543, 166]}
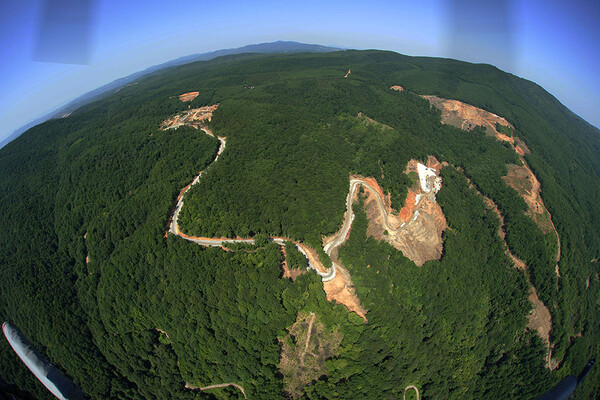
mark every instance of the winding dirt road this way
{"type": "Point", "coordinates": [326, 274]}
{"type": "Point", "coordinates": [312, 257]}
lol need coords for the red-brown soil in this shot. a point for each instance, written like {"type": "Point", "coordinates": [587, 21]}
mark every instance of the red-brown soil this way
{"type": "Point", "coordinates": [409, 206]}
{"type": "Point", "coordinates": [521, 178]}
{"type": "Point", "coordinates": [540, 319]}
{"type": "Point", "coordinates": [348, 73]}
{"type": "Point", "coordinates": [189, 96]}
{"type": "Point", "coordinates": [291, 274]}
{"type": "Point", "coordinates": [420, 238]}
{"type": "Point", "coordinates": [397, 87]}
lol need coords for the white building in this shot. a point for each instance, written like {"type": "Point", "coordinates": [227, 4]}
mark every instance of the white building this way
{"type": "Point", "coordinates": [427, 178]}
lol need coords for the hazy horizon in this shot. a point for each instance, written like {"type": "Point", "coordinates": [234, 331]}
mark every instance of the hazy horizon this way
{"type": "Point", "coordinates": [554, 44]}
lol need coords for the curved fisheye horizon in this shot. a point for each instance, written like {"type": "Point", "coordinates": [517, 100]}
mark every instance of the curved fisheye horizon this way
{"type": "Point", "coordinates": [554, 44]}
{"type": "Point", "coordinates": [299, 200]}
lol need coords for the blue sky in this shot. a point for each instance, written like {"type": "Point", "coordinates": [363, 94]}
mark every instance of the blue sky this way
{"type": "Point", "coordinates": [553, 43]}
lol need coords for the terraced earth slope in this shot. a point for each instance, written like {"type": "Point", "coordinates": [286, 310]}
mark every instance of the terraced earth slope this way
{"type": "Point", "coordinates": [96, 271]}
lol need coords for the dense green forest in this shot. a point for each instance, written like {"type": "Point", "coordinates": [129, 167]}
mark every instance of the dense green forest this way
{"type": "Point", "coordinates": [87, 275]}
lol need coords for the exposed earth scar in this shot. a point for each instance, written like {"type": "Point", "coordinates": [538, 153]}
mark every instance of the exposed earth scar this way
{"type": "Point", "coordinates": [524, 181]}
{"type": "Point", "coordinates": [337, 287]}
{"type": "Point", "coordinates": [539, 318]}
{"type": "Point", "coordinates": [416, 230]}
{"type": "Point", "coordinates": [521, 178]}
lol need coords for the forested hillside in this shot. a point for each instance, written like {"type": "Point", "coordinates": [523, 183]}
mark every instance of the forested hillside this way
{"type": "Point", "coordinates": [88, 275]}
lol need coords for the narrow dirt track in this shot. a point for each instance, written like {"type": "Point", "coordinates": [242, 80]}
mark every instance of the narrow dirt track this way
{"type": "Point", "coordinates": [220, 385]}
{"type": "Point", "coordinates": [326, 274]}
{"type": "Point", "coordinates": [336, 241]}
{"type": "Point", "coordinates": [413, 388]}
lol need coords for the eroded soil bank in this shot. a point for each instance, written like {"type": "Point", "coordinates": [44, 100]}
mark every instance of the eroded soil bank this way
{"type": "Point", "coordinates": [521, 178]}
{"type": "Point", "coordinates": [416, 230]}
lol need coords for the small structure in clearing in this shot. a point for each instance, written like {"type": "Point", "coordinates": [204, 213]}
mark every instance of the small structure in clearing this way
{"type": "Point", "coordinates": [429, 179]}
{"type": "Point", "coordinates": [417, 229]}
{"type": "Point", "coordinates": [193, 118]}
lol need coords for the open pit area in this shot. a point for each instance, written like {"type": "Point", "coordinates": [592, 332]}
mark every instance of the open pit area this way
{"type": "Point", "coordinates": [415, 230]}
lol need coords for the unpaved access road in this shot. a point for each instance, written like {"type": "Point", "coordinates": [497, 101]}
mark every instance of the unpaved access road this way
{"type": "Point", "coordinates": [326, 274]}
{"type": "Point", "coordinates": [338, 239]}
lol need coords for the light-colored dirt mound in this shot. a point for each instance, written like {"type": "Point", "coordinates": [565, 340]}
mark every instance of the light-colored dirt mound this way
{"type": "Point", "coordinates": [397, 87]}
{"type": "Point", "coordinates": [189, 96]}
{"type": "Point", "coordinates": [341, 289]}
{"type": "Point", "coordinates": [194, 118]}
{"type": "Point", "coordinates": [421, 240]}
{"type": "Point", "coordinates": [540, 321]}
{"type": "Point", "coordinates": [348, 73]}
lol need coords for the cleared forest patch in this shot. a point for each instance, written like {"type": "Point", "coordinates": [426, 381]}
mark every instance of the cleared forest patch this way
{"type": "Point", "coordinates": [521, 178]}
{"type": "Point", "coordinates": [194, 118]}
{"type": "Point", "coordinates": [416, 230]}
{"type": "Point", "coordinates": [304, 351]}
{"type": "Point", "coordinates": [189, 96]}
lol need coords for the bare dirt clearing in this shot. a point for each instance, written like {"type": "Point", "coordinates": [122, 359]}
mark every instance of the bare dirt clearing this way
{"type": "Point", "coordinates": [304, 352]}
{"type": "Point", "coordinates": [348, 73]}
{"type": "Point", "coordinates": [467, 117]}
{"type": "Point", "coordinates": [194, 118]}
{"type": "Point", "coordinates": [417, 229]}
{"type": "Point", "coordinates": [341, 289]}
{"type": "Point", "coordinates": [521, 178]}
{"type": "Point", "coordinates": [189, 96]}
{"type": "Point", "coordinates": [397, 87]}
{"type": "Point", "coordinates": [289, 273]}
{"type": "Point", "coordinates": [526, 184]}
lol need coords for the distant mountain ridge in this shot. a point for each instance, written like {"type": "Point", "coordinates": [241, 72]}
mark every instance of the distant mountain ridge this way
{"type": "Point", "coordinates": [265, 48]}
